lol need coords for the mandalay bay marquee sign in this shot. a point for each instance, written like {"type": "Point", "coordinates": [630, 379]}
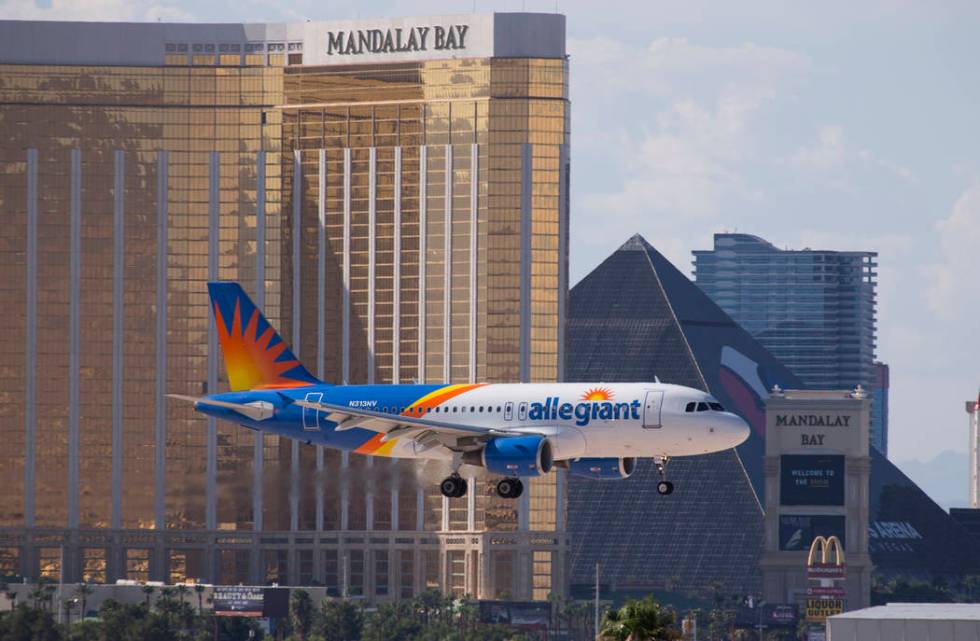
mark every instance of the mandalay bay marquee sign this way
{"type": "Point", "coordinates": [397, 40]}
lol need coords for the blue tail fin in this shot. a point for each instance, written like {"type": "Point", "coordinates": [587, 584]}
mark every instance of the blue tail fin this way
{"type": "Point", "coordinates": [256, 357]}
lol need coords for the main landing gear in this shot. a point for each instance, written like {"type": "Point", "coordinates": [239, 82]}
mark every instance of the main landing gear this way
{"type": "Point", "coordinates": [454, 486]}
{"type": "Point", "coordinates": [664, 487]}
{"type": "Point", "coordinates": [509, 488]}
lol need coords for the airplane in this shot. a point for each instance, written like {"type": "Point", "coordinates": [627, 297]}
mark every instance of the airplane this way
{"type": "Point", "coordinates": [516, 431]}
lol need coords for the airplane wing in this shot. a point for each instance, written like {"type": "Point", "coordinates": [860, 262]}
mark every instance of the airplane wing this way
{"type": "Point", "coordinates": [396, 425]}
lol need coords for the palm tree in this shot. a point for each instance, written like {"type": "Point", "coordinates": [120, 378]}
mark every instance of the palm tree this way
{"type": "Point", "coordinates": [644, 620]}
{"type": "Point", "coordinates": [301, 613]}
{"type": "Point", "coordinates": [148, 590]}
{"type": "Point", "coordinates": [83, 590]}
{"type": "Point", "coordinates": [199, 589]}
{"type": "Point", "coordinates": [182, 592]}
{"type": "Point", "coordinates": [12, 597]}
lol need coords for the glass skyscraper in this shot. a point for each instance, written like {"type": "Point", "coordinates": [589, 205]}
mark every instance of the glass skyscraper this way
{"type": "Point", "coordinates": [393, 193]}
{"type": "Point", "coordinates": [814, 310]}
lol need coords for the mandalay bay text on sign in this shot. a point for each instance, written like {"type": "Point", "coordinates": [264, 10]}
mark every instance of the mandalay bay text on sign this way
{"type": "Point", "coordinates": [397, 40]}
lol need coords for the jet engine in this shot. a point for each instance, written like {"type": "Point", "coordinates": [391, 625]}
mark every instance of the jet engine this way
{"type": "Point", "coordinates": [529, 455]}
{"type": "Point", "coordinates": [602, 468]}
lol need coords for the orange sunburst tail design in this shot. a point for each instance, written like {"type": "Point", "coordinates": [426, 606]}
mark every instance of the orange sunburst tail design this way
{"type": "Point", "coordinates": [255, 355]}
{"type": "Point", "coordinates": [598, 394]}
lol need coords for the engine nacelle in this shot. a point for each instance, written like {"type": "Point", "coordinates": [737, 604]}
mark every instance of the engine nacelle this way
{"type": "Point", "coordinates": [603, 468]}
{"type": "Point", "coordinates": [529, 455]}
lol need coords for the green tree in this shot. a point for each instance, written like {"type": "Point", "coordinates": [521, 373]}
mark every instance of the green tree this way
{"type": "Point", "coordinates": [644, 620]}
{"type": "Point", "coordinates": [27, 623]}
{"type": "Point", "coordinates": [12, 597]}
{"type": "Point", "coordinates": [339, 620]}
{"type": "Point", "coordinates": [301, 613]}
{"type": "Point", "coordinates": [397, 621]}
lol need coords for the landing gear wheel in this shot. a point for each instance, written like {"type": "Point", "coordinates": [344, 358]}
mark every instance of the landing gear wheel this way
{"type": "Point", "coordinates": [665, 487]}
{"type": "Point", "coordinates": [509, 488]}
{"type": "Point", "coordinates": [453, 486]}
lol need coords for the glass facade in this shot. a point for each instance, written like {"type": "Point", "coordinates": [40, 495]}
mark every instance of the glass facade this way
{"type": "Point", "coordinates": [399, 222]}
{"type": "Point", "coordinates": [814, 310]}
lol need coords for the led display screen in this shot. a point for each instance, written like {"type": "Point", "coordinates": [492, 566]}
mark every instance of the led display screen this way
{"type": "Point", "coordinates": [797, 531]}
{"type": "Point", "coordinates": [811, 479]}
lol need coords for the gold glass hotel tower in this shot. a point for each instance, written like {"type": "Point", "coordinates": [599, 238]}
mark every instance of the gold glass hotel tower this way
{"type": "Point", "coordinates": [393, 193]}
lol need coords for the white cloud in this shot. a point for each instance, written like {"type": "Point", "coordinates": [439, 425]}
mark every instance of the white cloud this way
{"type": "Point", "coordinates": [831, 152]}
{"type": "Point", "coordinates": [954, 278]}
{"type": "Point", "coordinates": [678, 123]}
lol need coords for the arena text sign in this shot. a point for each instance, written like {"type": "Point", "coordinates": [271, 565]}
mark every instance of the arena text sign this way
{"type": "Point", "coordinates": [396, 40]}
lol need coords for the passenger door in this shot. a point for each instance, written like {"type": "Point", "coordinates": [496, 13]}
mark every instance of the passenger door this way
{"type": "Point", "coordinates": [311, 417]}
{"type": "Point", "coordinates": [652, 404]}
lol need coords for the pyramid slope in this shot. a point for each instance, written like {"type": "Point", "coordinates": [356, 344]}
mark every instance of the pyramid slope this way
{"type": "Point", "coordinates": [622, 327]}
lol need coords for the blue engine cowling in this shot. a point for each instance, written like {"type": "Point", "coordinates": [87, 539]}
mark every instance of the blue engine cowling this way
{"type": "Point", "coordinates": [603, 468]}
{"type": "Point", "coordinates": [518, 455]}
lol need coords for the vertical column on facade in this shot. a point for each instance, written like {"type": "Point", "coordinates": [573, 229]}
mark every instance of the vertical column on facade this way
{"type": "Point", "coordinates": [345, 319]}
{"type": "Point", "coordinates": [211, 509]}
{"type": "Point", "coordinates": [423, 251]}
{"type": "Point", "coordinates": [321, 297]}
{"type": "Point", "coordinates": [523, 509]}
{"type": "Point", "coordinates": [447, 296]}
{"type": "Point", "coordinates": [160, 415]}
{"type": "Point", "coordinates": [30, 356]}
{"type": "Point", "coordinates": [396, 276]}
{"type": "Point", "coordinates": [471, 335]}
{"type": "Point", "coordinates": [396, 311]}
{"type": "Point", "coordinates": [294, 480]}
{"type": "Point", "coordinates": [561, 476]}
{"type": "Point", "coordinates": [525, 304]}
{"type": "Point", "coordinates": [423, 259]}
{"type": "Point", "coordinates": [372, 258]}
{"type": "Point", "coordinates": [345, 333]}
{"type": "Point", "coordinates": [563, 236]}
{"type": "Point", "coordinates": [255, 569]}
{"type": "Point", "coordinates": [74, 338]}
{"type": "Point", "coordinates": [117, 337]}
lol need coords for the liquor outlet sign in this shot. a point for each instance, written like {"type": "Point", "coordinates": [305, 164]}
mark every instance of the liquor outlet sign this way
{"type": "Point", "coordinates": [409, 39]}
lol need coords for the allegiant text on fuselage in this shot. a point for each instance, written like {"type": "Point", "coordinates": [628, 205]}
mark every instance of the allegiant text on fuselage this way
{"type": "Point", "coordinates": [584, 412]}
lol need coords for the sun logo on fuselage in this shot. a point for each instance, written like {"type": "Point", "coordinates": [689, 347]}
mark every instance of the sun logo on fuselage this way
{"type": "Point", "coordinates": [598, 394]}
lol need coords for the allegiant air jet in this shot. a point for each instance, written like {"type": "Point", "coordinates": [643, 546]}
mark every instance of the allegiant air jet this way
{"type": "Point", "coordinates": [596, 430]}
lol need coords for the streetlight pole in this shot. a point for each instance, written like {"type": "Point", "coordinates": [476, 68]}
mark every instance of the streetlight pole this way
{"type": "Point", "coordinates": [596, 600]}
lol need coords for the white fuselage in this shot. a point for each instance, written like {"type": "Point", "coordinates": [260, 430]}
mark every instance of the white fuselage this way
{"type": "Point", "coordinates": [589, 420]}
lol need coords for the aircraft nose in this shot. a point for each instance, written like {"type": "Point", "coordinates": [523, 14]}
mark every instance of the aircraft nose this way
{"type": "Point", "coordinates": [737, 429]}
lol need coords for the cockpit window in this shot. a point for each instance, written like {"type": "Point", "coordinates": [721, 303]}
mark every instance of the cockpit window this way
{"type": "Point", "coordinates": [716, 407]}
{"type": "Point", "coordinates": [690, 407]}
{"type": "Point", "coordinates": [702, 407]}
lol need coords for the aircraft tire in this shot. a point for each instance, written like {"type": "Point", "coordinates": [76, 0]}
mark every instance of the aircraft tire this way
{"type": "Point", "coordinates": [510, 488]}
{"type": "Point", "coordinates": [453, 486]}
{"type": "Point", "coordinates": [665, 487]}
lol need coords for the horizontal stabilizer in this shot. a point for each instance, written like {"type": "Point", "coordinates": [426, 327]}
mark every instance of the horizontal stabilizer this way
{"type": "Point", "coordinates": [258, 411]}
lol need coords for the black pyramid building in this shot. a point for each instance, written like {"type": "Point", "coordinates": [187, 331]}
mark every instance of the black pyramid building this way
{"type": "Point", "coordinates": [635, 317]}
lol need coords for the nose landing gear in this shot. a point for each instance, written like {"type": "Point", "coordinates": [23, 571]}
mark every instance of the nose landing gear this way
{"type": "Point", "coordinates": [664, 487]}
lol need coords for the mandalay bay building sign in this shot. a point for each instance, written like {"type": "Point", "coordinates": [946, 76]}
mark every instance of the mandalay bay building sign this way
{"type": "Point", "coordinates": [393, 193]}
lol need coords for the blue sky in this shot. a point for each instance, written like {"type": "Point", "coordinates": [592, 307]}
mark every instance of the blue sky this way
{"type": "Point", "coordinates": [834, 125]}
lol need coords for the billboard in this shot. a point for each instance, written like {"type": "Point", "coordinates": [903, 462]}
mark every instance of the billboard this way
{"type": "Point", "coordinates": [250, 601]}
{"type": "Point", "coordinates": [811, 479]}
{"type": "Point", "coordinates": [797, 531]}
{"type": "Point", "coordinates": [524, 614]}
{"type": "Point", "coordinates": [237, 601]}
